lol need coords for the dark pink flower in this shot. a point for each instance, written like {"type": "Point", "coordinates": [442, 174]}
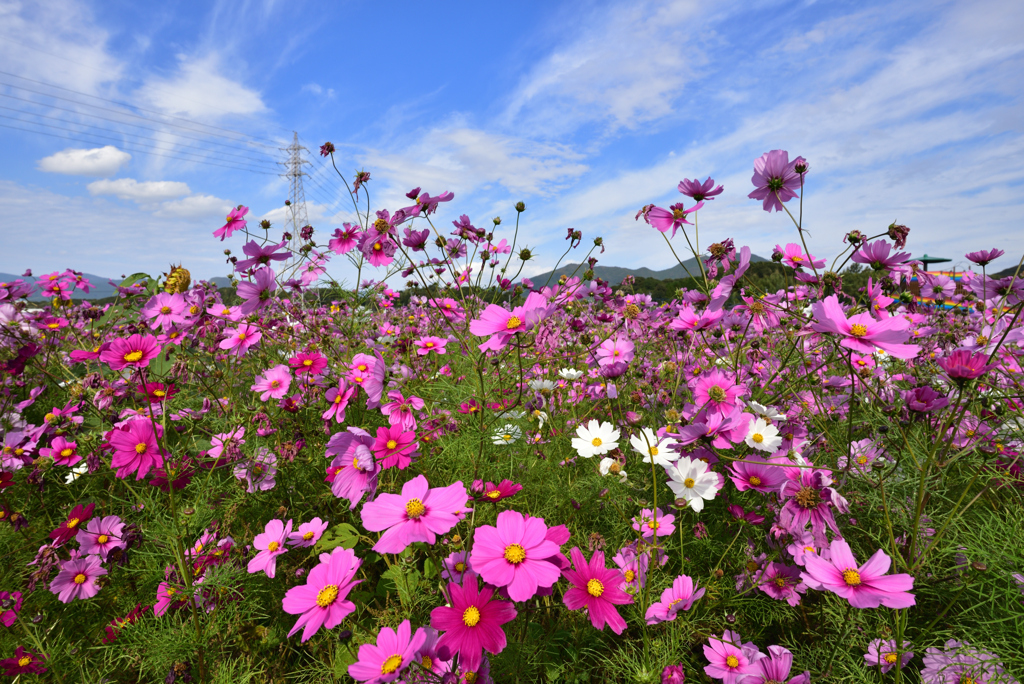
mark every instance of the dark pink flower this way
{"type": "Point", "coordinates": [338, 398]}
{"type": "Point", "coordinates": [136, 449]}
{"type": "Point", "coordinates": [235, 221]}
{"type": "Point", "coordinates": [674, 217]}
{"type": "Point", "coordinates": [239, 340]}
{"type": "Point", "coordinates": [322, 600]}
{"type": "Point", "coordinates": [68, 529]}
{"type": "Point", "coordinates": [985, 256]}
{"type": "Point", "coordinates": [596, 588]}
{"type": "Point", "coordinates": [310, 363]}
{"type": "Point", "coordinates": [394, 447]}
{"type": "Point", "coordinates": [386, 660]}
{"type": "Point", "coordinates": [963, 364]}
{"type": "Point", "coordinates": [472, 624]}
{"type": "Point", "coordinates": [344, 240]}
{"type": "Point", "coordinates": [257, 294]}
{"type": "Point", "coordinates": [136, 351]}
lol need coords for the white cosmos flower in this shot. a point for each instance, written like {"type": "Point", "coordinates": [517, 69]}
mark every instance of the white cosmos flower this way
{"type": "Point", "coordinates": [506, 434]}
{"type": "Point", "coordinates": [540, 385]}
{"type": "Point", "coordinates": [570, 374]}
{"type": "Point", "coordinates": [595, 439]}
{"type": "Point", "coordinates": [76, 473]}
{"type": "Point", "coordinates": [691, 480]}
{"type": "Point", "coordinates": [763, 436]}
{"type": "Point", "coordinates": [610, 466]}
{"type": "Point", "coordinates": [541, 416]}
{"type": "Point", "coordinates": [768, 412]}
{"type": "Point", "coordinates": [647, 445]}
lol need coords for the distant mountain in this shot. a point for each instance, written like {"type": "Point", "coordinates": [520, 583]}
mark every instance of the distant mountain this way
{"type": "Point", "coordinates": [1007, 272]}
{"type": "Point", "coordinates": [101, 287]}
{"type": "Point", "coordinates": [615, 274]}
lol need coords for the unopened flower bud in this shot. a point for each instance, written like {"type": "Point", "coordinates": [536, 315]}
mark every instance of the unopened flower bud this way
{"type": "Point", "coordinates": [520, 207]}
{"type": "Point", "coordinates": [497, 221]}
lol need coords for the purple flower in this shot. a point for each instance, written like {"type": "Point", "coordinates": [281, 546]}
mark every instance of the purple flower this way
{"type": "Point", "coordinates": [877, 255]}
{"type": "Point", "coordinates": [775, 179]}
{"type": "Point", "coordinates": [77, 579]}
{"type": "Point", "coordinates": [257, 294]}
{"type": "Point", "coordinates": [699, 191]}
{"type": "Point", "coordinates": [885, 654]}
{"type": "Point", "coordinates": [101, 536]}
{"type": "Point", "coordinates": [924, 400]}
{"type": "Point", "coordinates": [775, 668]}
{"type": "Point", "coordinates": [673, 674]}
{"type": "Point", "coordinates": [261, 256]}
{"type": "Point", "coordinates": [985, 256]}
{"type": "Point", "coordinates": [680, 596]}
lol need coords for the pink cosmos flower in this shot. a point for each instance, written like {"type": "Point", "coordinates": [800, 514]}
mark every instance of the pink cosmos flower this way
{"type": "Point", "coordinates": [596, 588]}
{"type": "Point", "coordinates": [472, 623]}
{"type": "Point", "coordinates": [986, 256]}
{"type": "Point", "coordinates": [343, 240]}
{"type": "Point", "coordinates": [614, 350]}
{"type": "Point", "coordinates": [457, 566]}
{"type": "Point", "coordinates": [388, 659]}
{"type": "Point", "coordinates": [775, 181]}
{"type": "Point", "coordinates": [419, 513]}
{"type": "Point", "coordinates": [64, 453]}
{"type": "Point", "coordinates": [368, 372]}
{"type": "Point", "coordinates": [884, 653]}
{"type": "Point", "coordinates": [516, 554]}
{"type": "Point", "coordinates": [775, 669]}
{"type": "Point", "coordinates": [501, 325]}
{"type": "Point", "coordinates": [810, 498]}
{"type": "Point", "coordinates": [322, 600]}
{"type": "Point", "coordinates": [654, 523]}
{"type": "Point", "coordinates": [101, 536]}
{"type": "Point", "coordinates": [261, 256]}
{"type": "Point", "coordinates": [354, 468]}
{"type": "Point", "coordinates": [240, 339]}
{"type": "Point", "coordinates": [699, 191]}
{"type": "Point", "coordinates": [729, 659]}
{"type": "Point", "coordinates": [136, 351]}
{"type": "Point", "coordinates": [493, 493]}
{"type": "Point", "coordinates": [394, 447]}
{"type": "Point", "coordinates": [164, 310]}
{"type": "Point", "coordinates": [257, 294]}
{"type": "Point", "coordinates": [674, 217]}
{"type": "Point", "coordinates": [794, 257]}
{"type": "Point", "coordinates": [77, 579]}
{"type": "Point", "coordinates": [270, 544]}
{"type": "Point", "coordinates": [426, 345]}
{"type": "Point", "coordinates": [309, 533]}
{"type": "Point", "coordinates": [274, 382]}
{"type": "Point", "coordinates": [235, 221]}
{"type": "Point", "coordinates": [680, 596]}
{"type": "Point", "coordinates": [866, 586]}
{"type": "Point", "coordinates": [718, 392]}
{"type": "Point", "coordinates": [226, 440]}
{"type": "Point", "coordinates": [338, 398]}
{"type": "Point", "coordinates": [877, 255]}
{"type": "Point", "coordinates": [758, 474]}
{"type": "Point", "coordinates": [633, 567]}
{"type": "Point", "coordinates": [782, 582]}
{"type": "Point", "coordinates": [400, 410]}
{"type": "Point", "coordinates": [963, 365]}
{"type": "Point", "coordinates": [378, 248]}
{"type": "Point", "coordinates": [310, 363]}
{"type": "Point", "coordinates": [688, 319]}
{"type": "Point", "coordinates": [862, 332]}
{"type": "Point", "coordinates": [258, 474]}
{"type": "Point", "coordinates": [136, 449]}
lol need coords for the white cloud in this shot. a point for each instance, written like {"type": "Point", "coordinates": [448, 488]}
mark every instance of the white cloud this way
{"type": "Point", "coordinates": [100, 161]}
{"type": "Point", "coordinates": [195, 206]}
{"type": "Point", "coordinates": [200, 90]}
{"type": "Point", "coordinates": [317, 89]}
{"type": "Point", "coordinates": [145, 192]}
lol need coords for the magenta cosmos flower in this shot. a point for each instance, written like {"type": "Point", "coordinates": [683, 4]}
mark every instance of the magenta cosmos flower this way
{"type": "Point", "coordinates": [136, 351]}
{"type": "Point", "coordinates": [77, 579]}
{"type": "Point", "coordinates": [257, 293]}
{"type": "Point", "coordinates": [394, 447]}
{"type": "Point", "coordinates": [472, 623]}
{"type": "Point", "coordinates": [884, 654]}
{"type": "Point", "coordinates": [23, 662]}
{"type": "Point", "coordinates": [730, 660]}
{"type": "Point", "coordinates": [101, 536]}
{"type": "Point", "coordinates": [136, 449]}
{"type": "Point", "coordinates": [700, 191]}
{"type": "Point", "coordinates": [866, 586]}
{"type": "Point", "coordinates": [809, 498]}
{"type": "Point", "coordinates": [614, 350]}
{"type": "Point", "coordinates": [270, 544]}
{"type": "Point", "coordinates": [755, 473]}
{"type": "Point", "coordinates": [963, 364]}
{"type": "Point", "coordinates": [985, 256]}
{"type": "Point", "coordinates": [238, 340]}
{"type": "Point", "coordinates": [368, 372]}
{"type": "Point", "coordinates": [353, 468]}
{"type": "Point", "coordinates": [516, 554]}
{"type": "Point", "coordinates": [64, 453]}
{"type": "Point", "coordinates": [680, 596]}
{"type": "Point", "coordinates": [418, 514]}
{"type": "Point", "coordinates": [596, 588]}
{"type": "Point", "coordinates": [794, 257]}
{"type": "Point", "coordinates": [235, 221]}
{"type": "Point", "coordinates": [164, 310]}
{"type": "Point", "coordinates": [400, 410]}
{"type": "Point", "coordinates": [862, 332]}
{"type": "Point", "coordinates": [654, 523]}
{"type": "Point", "coordinates": [775, 179]}
{"type": "Point", "coordinates": [775, 669]}
{"type": "Point", "coordinates": [674, 217]}
{"type": "Point", "coordinates": [426, 345]}
{"type": "Point", "coordinates": [338, 398]}
{"type": "Point", "coordinates": [309, 363]}
{"type": "Point", "coordinates": [389, 657]}
{"type": "Point", "coordinates": [261, 256]}
{"type": "Point", "coordinates": [321, 601]}
{"type": "Point", "coordinates": [782, 582]}
{"type": "Point", "coordinates": [879, 255]}
{"type": "Point", "coordinates": [69, 528]}
{"type": "Point", "coordinates": [274, 382]}
{"type": "Point", "coordinates": [718, 392]}
{"type": "Point", "coordinates": [501, 325]}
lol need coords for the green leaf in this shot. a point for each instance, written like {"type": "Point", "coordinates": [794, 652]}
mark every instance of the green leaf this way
{"type": "Point", "coordinates": [429, 568]}
{"type": "Point", "coordinates": [135, 277]}
{"type": "Point", "coordinates": [342, 534]}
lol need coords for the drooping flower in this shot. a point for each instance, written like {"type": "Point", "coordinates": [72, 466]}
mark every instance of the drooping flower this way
{"type": "Point", "coordinates": [322, 600]}
{"type": "Point", "coordinates": [674, 217]}
{"type": "Point", "coordinates": [135, 351]}
{"type": "Point", "coordinates": [270, 544]}
{"type": "Point", "coordinates": [273, 383]}
{"type": "Point", "coordinates": [985, 256]}
{"type": "Point", "coordinates": [516, 554]}
{"type": "Point", "coordinates": [77, 579]}
{"type": "Point", "coordinates": [101, 536]}
{"type": "Point", "coordinates": [693, 481]}
{"type": "Point", "coordinates": [472, 624]}
{"type": "Point", "coordinates": [386, 660]}
{"type": "Point", "coordinates": [883, 653]}
{"type": "Point", "coordinates": [418, 514]}
{"type": "Point", "coordinates": [368, 372]}
{"type": "Point", "coordinates": [775, 181]}
{"type": "Point", "coordinates": [136, 449]}
{"type": "Point", "coordinates": [235, 221]}
{"type": "Point", "coordinates": [354, 467]}
{"type": "Point", "coordinates": [679, 596]}
{"type": "Point", "coordinates": [595, 439]}
{"type": "Point", "coordinates": [10, 606]}
{"type": "Point", "coordinates": [782, 582]}
{"type": "Point", "coordinates": [865, 586]}
{"type": "Point", "coordinates": [262, 256]}
{"type": "Point", "coordinates": [730, 660]}
{"type": "Point", "coordinates": [596, 588]}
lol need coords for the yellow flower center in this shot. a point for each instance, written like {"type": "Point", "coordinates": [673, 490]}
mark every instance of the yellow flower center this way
{"type": "Point", "coordinates": [493, 494]}
{"type": "Point", "coordinates": [629, 575]}
{"type": "Point", "coordinates": [653, 451]}
{"type": "Point", "coordinates": [688, 483]}
{"type": "Point", "coordinates": [159, 393]}
{"type": "Point", "coordinates": [393, 662]}
{"type": "Point", "coordinates": [64, 453]}
{"type": "Point", "coordinates": [515, 554]}
{"type": "Point", "coordinates": [755, 480]}
{"type": "Point", "coordinates": [24, 660]}
{"type": "Point", "coordinates": [133, 356]}
{"type": "Point", "coordinates": [757, 438]}
{"type": "Point", "coordinates": [415, 508]}
{"type": "Point", "coordinates": [273, 546]}
{"type": "Point", "coordinates": [595, 588]}
{"type": "Point", "coordinates": [513, 323]}
{"type": "Point", "coordinates": [851, 577]}
{"type": "Point", "coordinates": [308, 536]}
{"type": "Point", "coordinates": [140, 448]}
{"type": "Point", "coordinates": [596, 441]}
{"type": "Point", "coordinates": [102, 539]}
{"type": "Point", "coordinates": [241, 336]}
{"type": "Point", "coordinates": [427, 663]}
{"type": "Point", "coordinates": [73, 523]}
{"type": "Point", "coordinates": [307, 362]}
{"type": "Point", "coordinates": [780, 581]}
{"type": "Point", "coordinates": [429, 345]}
{"type": "Point", "coordinates": [80, 578]}
{"type": "Point", "coordinates": [471, 617]}
{"type": "Point", "coordinates": [889, 658]}
{"type": "Point", "coordinates": [327, 595]}
{"type": "Point", "coordinates": [732, 661]}
{"type": "Point", "coordinates": [470, 678]}
{"type": "Point", "coordinates": [858, 330]}
{"type": "Point", "coordinates": [460, 567]}
{"type": "Point", "coordinates": [165, 310]}
{"type": "Point", "coordinates": [862, 460]}
{"type": "Point", "coordinates": [391, 444]}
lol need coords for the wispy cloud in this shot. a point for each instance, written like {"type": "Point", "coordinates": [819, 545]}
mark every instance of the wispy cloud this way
{"type": "Point", "coordinates": [100, 161]}
{"type": "Point", "coordinates": [200, 89]}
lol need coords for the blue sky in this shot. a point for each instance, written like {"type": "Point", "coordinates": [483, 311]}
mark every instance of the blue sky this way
{"type": "Point", "coordinates": [907, 111]}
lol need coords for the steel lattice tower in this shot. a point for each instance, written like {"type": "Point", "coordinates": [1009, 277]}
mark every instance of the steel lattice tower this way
{"type": "Point", "coordinates": [297, 217]}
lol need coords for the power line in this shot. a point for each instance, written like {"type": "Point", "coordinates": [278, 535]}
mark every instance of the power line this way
{"type": "Point", "coordinates": [123, 133]}
{"type": "Point", "coordinates": [123, 113]}
{"type": "Point", "coordinates": [155, 154]}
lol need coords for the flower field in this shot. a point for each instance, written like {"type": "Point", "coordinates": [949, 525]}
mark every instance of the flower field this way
{"type": "Point", "coordinates": [481, 478]}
